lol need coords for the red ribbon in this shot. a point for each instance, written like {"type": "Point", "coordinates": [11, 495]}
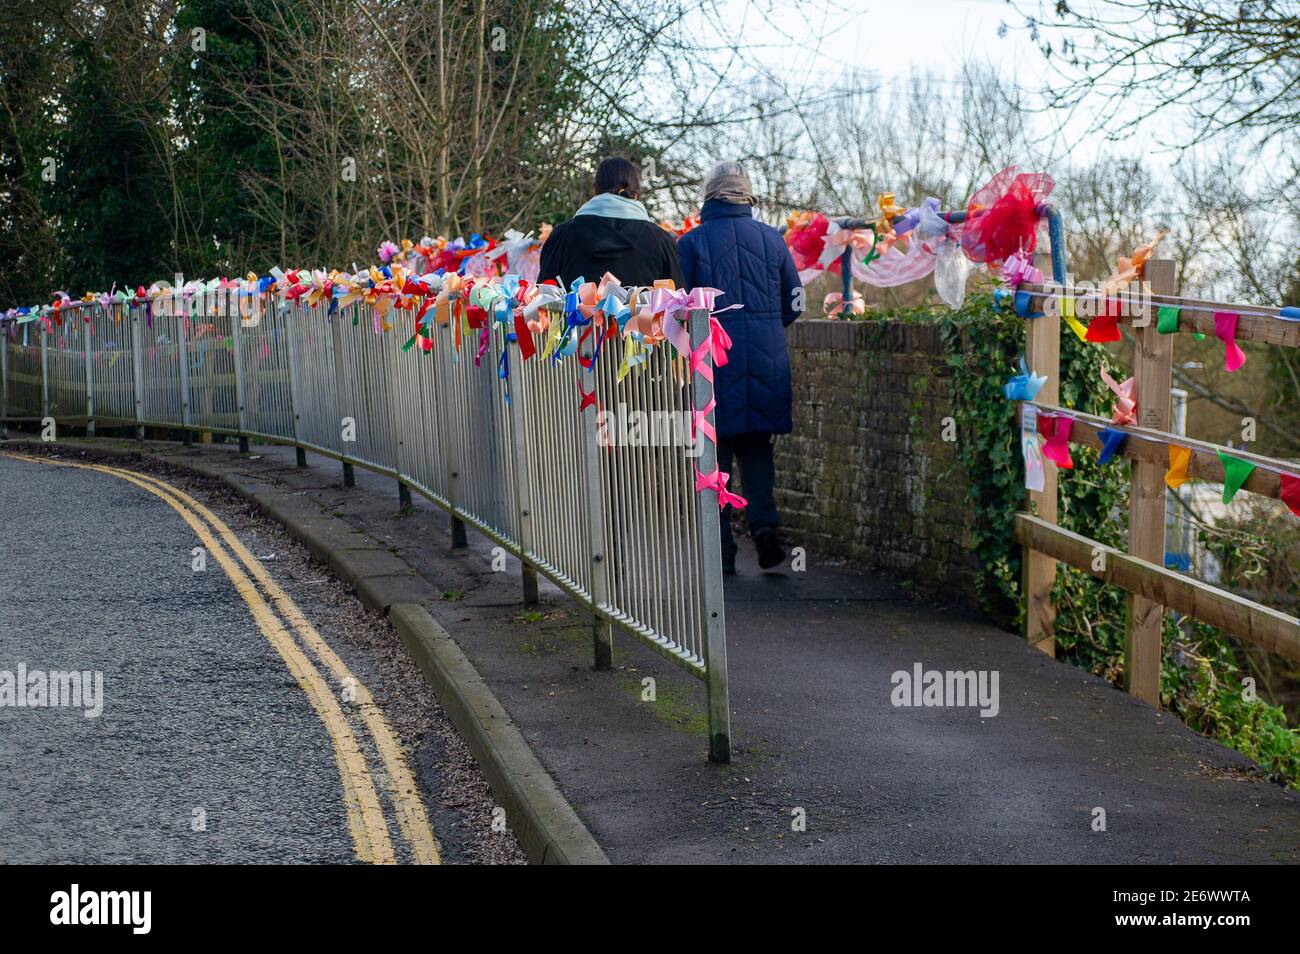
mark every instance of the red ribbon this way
{"type": "Point", "coordinates": [1291, 492]}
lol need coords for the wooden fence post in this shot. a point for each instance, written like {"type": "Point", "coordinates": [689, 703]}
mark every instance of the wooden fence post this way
{"type": "Point", "coordinates": [1153, 357]}
{"type": "Point", "coordinates": [1038, 571]}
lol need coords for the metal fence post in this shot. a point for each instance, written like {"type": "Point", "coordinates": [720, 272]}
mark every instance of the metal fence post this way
{"type": "Point", "coordinates": [391, 358]}
{"type": "Point", "coordinates": [236, 349]}
{"type": "Point", "coordinates": [90, 381]}
{"type": "Point", "coordinates": [340, 382]}
{"type": "Point", "coordinates": [713, 611]}
{"type": "Point", "coordinates": [4, 382]}
{"type": "Point", "coordinates": [183, 357]}
{"type": "Point", "coordinates": [295, 398]}
{"type": "Point", "coordinates": [45, 375]}
{"type": "Point", "coordinates": [602, 629]}
{"type": "Point", "coordinates": [137, 370]}
{"type": "Point", "coordinates": [451, 451]}
{"type": "Point", "coordinates": [523, 486]}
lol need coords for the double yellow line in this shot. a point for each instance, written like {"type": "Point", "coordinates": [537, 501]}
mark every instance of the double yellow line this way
{"type": "Point", "coordinates": [366, 819]}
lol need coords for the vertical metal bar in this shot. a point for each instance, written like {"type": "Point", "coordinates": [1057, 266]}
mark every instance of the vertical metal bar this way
{"type": "Point", "coordinates": [450, 445]}
{"type": "Point", "coordinates": [4, 381]}
{"type": "Point", "coordinates": [183, 358]}
{"type": "Point", "coordinates": [137, 370]}
{"type": "Point", "coordinates": [45, 376]}
{"type": "Point", "coordinates": [601, 629]}
{"type": "Point", "coordinates": [523, 485]}
{"type": "Point", "coordinates": [340, 382]}
{"type": "Point", "coordinates": [295, 385]}
{"type": "Point", "coordinates": [90, 381]}
{"type": "Point", "coordinates": [390, 358]}
{"type": "Point", "coordinates": [713, 611]}
{"type": "Point", "coordinates": [236, 348]}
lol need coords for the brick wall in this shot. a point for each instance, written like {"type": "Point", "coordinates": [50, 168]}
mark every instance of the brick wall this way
{"type": "Point", "coordinates": [866, 475]}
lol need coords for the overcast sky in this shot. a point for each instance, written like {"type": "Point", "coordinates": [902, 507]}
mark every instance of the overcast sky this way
{"type": "Point", "coordinates": [799, 39]}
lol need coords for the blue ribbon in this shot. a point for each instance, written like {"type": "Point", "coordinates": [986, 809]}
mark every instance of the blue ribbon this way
{"type": "Point", "coordinates": [1111, 442]}
{"type": "Point", "coordinates": [1022, 306]}
{"type": "Point", "coordinates": [1025, 385]}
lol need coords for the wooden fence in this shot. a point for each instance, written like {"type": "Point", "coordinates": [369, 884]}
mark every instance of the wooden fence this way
{"type": "Point", "coordinates": [1140, 571]}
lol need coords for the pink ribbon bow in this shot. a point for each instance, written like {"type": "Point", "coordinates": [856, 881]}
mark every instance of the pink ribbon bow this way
{"type": "Point", "coordinates": [717, 482]}
{"type": "Point", "coordinates": [1126, 400]}
{"type": "Point", "coordinates": [1019, 269]}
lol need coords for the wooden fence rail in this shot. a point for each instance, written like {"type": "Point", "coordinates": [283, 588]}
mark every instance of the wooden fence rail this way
{"type": "Point", "coordinates": [1151, 588]}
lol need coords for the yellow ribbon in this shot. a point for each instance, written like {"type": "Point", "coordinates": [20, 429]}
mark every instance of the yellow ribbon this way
{"type": "Point", "coordinates": [1067, 313]}
{"type": "Point", "coordinates": [1179, 458]}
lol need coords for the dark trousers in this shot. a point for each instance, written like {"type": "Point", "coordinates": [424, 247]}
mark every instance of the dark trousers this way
{"type": "Point", "coordinates": [757, 475]}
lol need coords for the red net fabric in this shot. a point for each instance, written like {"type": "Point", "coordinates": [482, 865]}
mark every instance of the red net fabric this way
{"type": "Point", "coordinates": [1002, 217]}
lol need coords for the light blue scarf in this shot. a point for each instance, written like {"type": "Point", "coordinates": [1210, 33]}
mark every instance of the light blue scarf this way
{"type": "Point", "coordinates": [612, 206]}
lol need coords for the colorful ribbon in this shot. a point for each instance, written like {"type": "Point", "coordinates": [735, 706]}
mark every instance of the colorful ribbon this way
{"type": "Point", "coordinates": [1179, 459]}
{"type": "Point", "coordinates": [1225, 329]}
{"type": "Point", "coordinates": [1025, 385]}
{"type": "Point", "coordinates": [1235, 473]}
{"type": "Point", "coordinates": [1112, 442]}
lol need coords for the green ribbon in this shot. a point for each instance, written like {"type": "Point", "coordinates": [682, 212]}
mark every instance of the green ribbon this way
{"type": "Point", "coordinates": [1167, 319]}
{"type": "Point", "coordinates": [1235, 472]}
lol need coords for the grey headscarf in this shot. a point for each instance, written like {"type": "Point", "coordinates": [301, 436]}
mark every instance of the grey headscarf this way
{"type": "Point", "coordinates": [727, 181]}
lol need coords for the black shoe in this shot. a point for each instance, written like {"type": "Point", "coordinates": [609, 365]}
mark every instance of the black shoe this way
{"type": "Point", "coordinates": [769, 549]}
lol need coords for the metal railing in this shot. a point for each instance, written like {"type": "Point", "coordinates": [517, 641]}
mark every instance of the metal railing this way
{"type": "Point", "coordinates": [616, 525]}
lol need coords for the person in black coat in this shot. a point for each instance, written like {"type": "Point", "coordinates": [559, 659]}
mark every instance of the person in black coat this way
{"type": "Point", "coordinates": [611, 233]}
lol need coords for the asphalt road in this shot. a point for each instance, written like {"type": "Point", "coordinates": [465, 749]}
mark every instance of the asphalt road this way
{"type": "Point", "coordinates": [207, 743]}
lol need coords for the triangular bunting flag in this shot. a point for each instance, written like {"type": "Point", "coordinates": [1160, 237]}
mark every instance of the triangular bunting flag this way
{"type": "Point", "coordinates": [1291, 492]}
{"type": "Point", "coordinates": [1235, 472]}
{"type": "Point", "coordinates": [1225, 329]}
{"type": "Point", "coordinates": [1167, 319]}
{"type": "Point", "coordinates": [1179, 458]}
{"type": "Point", "coordinates": [1111, 442]}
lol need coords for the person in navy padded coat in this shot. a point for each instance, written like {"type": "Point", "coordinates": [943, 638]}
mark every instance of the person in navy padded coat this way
{"type": "Point", "coordinates": [748, 261]}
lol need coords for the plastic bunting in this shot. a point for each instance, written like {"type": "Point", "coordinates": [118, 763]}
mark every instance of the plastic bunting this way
{"type": "Point", "coordinates": [1025, 385]}
{"type": "Point", "coordinates": [1235, 473]}
{"type": "Point", "coordinates": [1167, 319]}
{"type": "Point", "coordinates": [1074, 324]}
{"type": "Point", "coordinates": [1225, 329]}
{"type": "Point", "coordinates": [1024, 307]}
{"type": "Point", "coordinates": [1056, 428]}
{"type": "Point", "coordinates": [1179, 459]}
{"type": "Point", "coordinates": [1290, 492]}
{"type": "Point", "coordinates": [1112, 442]}
{"type": "Point", "coordinates": [1105, 327]}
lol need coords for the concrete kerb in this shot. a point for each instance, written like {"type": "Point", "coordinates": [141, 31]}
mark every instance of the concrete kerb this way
{"type": "Point", "coordinates": [537, 812]}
